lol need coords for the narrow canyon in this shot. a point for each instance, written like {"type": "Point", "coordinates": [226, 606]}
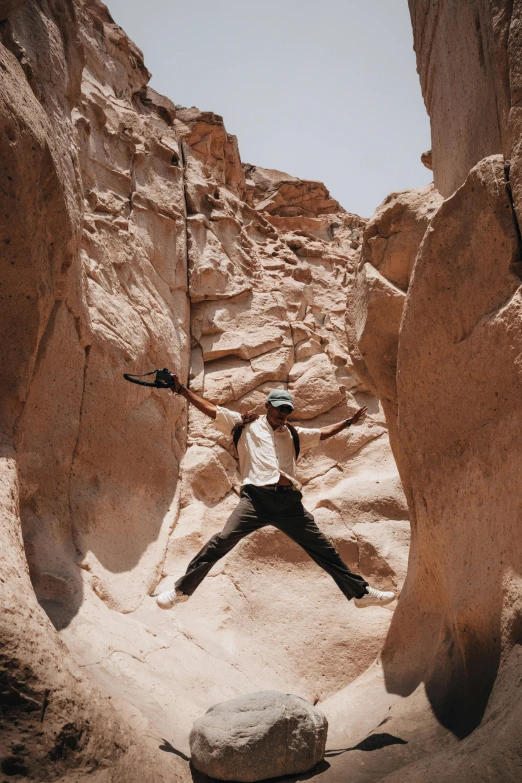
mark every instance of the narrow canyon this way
{"type": "Point", "coordinates": [134, 237]}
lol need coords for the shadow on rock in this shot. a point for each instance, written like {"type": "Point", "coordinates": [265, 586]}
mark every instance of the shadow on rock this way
{"type": "Point", "coordinates": [373, 742]}
{"type": "Point", "coordinates": [168, 748]}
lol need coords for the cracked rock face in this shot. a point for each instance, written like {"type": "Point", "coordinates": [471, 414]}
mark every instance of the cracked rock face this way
{"type": "Point", "coordinates": [134, 238]}
{"type": "Point", "coordinates": [259, 736]}
{"type": "Point", "coordinates": [267, 294]}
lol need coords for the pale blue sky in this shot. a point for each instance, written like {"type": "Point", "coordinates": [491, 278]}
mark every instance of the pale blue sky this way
{"type": "Point", "coordinates": [321, 89]}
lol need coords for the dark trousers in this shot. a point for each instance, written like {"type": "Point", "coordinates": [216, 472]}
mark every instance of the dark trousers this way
{"type": "Point", "coordinates": [257, 508]}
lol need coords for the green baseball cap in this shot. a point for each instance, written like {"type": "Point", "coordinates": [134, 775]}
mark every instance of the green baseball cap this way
{"type": "Point", "coordinates": [279, 397]}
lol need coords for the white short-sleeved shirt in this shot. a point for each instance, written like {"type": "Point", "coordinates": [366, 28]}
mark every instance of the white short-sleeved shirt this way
{"type": "Point", "coordinates": [265, 453]}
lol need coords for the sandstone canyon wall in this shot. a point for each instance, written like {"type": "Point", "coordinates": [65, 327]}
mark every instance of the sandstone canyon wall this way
{"type": "Point", "coordinates": [135, 238]}
{"type": "Point", "coordinates": [441, 347]}
{"type": "Point", "coordinates": [54, 722]}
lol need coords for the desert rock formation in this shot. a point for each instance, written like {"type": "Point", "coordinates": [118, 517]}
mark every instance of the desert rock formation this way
{"type": "Point", "coordinates": [450, 385]}
{"type": "Point", "coordinates": [54, 721]}
{"type": "Point", "coordinates": [134, 238]}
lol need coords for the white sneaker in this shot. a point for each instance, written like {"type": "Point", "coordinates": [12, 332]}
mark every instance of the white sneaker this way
{"type": "Point", "coordinates": [374, 597]}
{"type": "Point", "coordinates": [170, 597]}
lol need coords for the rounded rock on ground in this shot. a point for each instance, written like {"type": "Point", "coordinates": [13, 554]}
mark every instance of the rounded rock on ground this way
{"type": "Point", "coordinates": [258, 736]}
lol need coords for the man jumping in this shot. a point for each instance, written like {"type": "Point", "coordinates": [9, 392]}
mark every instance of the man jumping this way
{"type": "Point", "coordinates": [268, 447]}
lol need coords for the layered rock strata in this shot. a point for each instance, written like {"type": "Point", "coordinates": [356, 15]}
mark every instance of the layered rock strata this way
{"type": "Point", "coordinates": [284, 330]}
{"type": "Point", "coordinates": [135, 238]}
{"type": "Point", "coordinates": [267, 302]}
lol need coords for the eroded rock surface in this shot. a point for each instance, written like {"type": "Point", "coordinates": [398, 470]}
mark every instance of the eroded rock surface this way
{"type": "Point", "coordinates": [286, 330]}
{"type": "Point", "coordinates": [457, 328]}
{"type": "Point", "coordinates": [456, 632]}
{"type": "Point", "coordinates": [268, 300]}
{"type": "Point", "coordinates": [391, 242]}
{"type": "Point", "coordinates": [134, 238]}
{"type": "Point", "coordinates": [466, 59]}
{"type": "Point", "coordinates": [259, 736]}
{"type": "Point", "coordinates": [54, 722]}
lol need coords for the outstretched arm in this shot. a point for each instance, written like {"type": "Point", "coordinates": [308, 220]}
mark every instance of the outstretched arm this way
{"type": "Point", "coordinates": [206, 407]}
{"type": "Point", "coordinates": [333, 429]}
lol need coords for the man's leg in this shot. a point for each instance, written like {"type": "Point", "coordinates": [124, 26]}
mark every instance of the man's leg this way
{"type": "Point", "coordinates": [299, 525]}
{"type": "Point", "coordinates": [243, 521]}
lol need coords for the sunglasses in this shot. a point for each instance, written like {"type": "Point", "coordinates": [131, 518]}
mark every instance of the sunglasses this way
{"type": "Point", "coordinates": [284, 409]}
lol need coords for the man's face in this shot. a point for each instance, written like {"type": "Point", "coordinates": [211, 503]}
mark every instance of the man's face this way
{"type": "Point", "coordinates": [277, 416]}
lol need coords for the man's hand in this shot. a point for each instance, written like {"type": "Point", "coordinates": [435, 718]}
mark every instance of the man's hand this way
{"type": "Point", "coordinates": [333, 429]}
{"type": "Point", "coordinates": [358, 415]}
{"type": "Point", "coordinates": [176, 383]}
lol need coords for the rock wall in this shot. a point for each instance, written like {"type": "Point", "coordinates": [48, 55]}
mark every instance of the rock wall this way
{"type": "Point", "coordinates": [450, 383]}
{"type": "Point", "coordinates": [270, 263]}
{"type": "Point", "coordinates": [466, 59]}
{"type": "Point", "coordinates": [125, 308]}
{"type": "Point", "coordinates": [53, 721]}
{"type": "Point", "coordinates": [286, 330]}
{"type": "Point", "coordinates": [135, 238]}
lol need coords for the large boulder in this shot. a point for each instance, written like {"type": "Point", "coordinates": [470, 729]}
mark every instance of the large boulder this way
{"type": "Point", "coordinates": [258, 736]}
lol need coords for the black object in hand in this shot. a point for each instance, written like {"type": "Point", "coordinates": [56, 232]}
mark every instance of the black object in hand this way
{"type": "Point", "coordinates": [164, 379]}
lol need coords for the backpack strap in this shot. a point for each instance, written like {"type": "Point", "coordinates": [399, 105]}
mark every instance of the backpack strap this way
{"type": "Point", "coordinates": [295, 438]}
{"type": "Point", "coordinates": [237, 431]}
{"type": "Point", "coordinates": [238, 428]}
